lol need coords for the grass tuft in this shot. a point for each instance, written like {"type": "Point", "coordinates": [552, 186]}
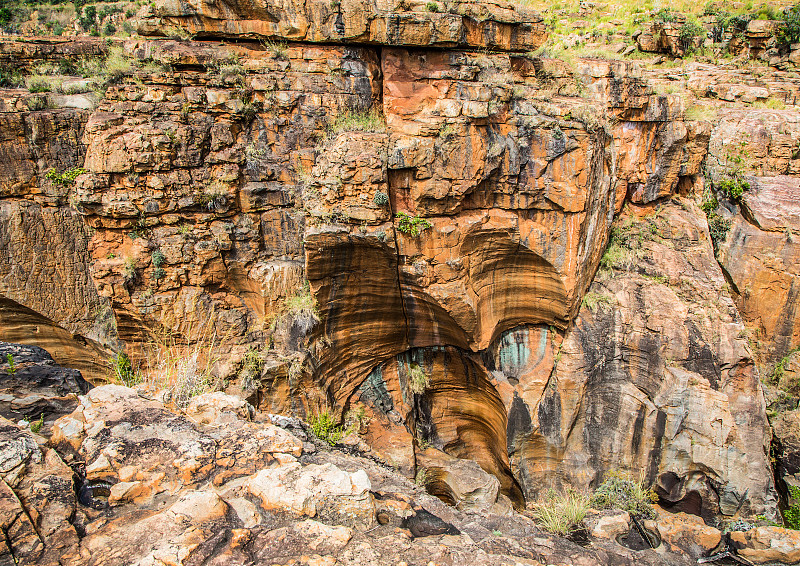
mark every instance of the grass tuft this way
{"type": "Point", "coordinates": [561, 513]}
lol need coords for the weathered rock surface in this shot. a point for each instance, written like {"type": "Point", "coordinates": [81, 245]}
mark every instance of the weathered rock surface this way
{"type": "Point", "coordinates": [243, 518]}
{"type": "Point", "coordinates": [493, 24]}
{"type": "Point", "coordinates": [37, 500]}
{"type": "Point", "coordinates": [673, 381]}
{"type": "Point", "coordinates": [21, 325]}
{"type": "Point", "coordinates": [33, 386]}
{"type": "Point", "coordinates": [25, 52]}
{"type": "Point", "coordinates": [45, 261]}
{"type": "Point", "coordinates": [768, 545]}
{"type": "Point", "coordinates": [681, 532]}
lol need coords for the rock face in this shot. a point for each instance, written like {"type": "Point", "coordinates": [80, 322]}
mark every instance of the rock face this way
{"type": "Point", "coordinates": [760, 248]}
{"type": "Point", "coordinates": [662, 383]}
{"type": "Point", "coordinates": [512, 197]}
{"type": "Point", "coordinates": [32, 386]}
{"type": "Point", "coordinates": [495, 24]}
{"type": "Point", "coordinates": [45, 261]}
{"type": "Point", "coordinates": [394, 223]}
{"type": "Point", "coordinates": [21, 325]}
{"type": "Point", "coordinates": [144, 497]}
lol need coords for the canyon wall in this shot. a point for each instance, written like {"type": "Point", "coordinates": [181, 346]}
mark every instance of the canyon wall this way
{"type": "Point", "coordinates": [496, 256]}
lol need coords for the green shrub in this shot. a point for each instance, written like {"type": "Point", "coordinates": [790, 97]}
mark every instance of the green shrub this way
{"type": "Point", "coordinates": [10, 78]}
{"type": "Point", "coordinates": [779, 374]}
{"type": "Point", "coordinates": [620, 491]}
{"type": "Point", "coordinates": [412, 225]}
{"type": "Point", "coordinates": [665, 15]}
{"type": "Point", "coordinates": [325, 428]}
{"type": "Point", "coordinates": [432, 6]}
{"type": "Point", "coordinates": [36, 426]}
{"type": "Point", "coordinates": [732, 187]}
{"type": "Point", "coordinates": [67, 178]}
{"type": "Point", "coordinates": [718, 229]}
{"type": "Point", "coordinates": [123, 371]}
{"type": "Point", "coordinates": [381, 198]}
{"type": "Point", "coordinates": [791, 516]}
{"type": "Point", "coordinates": [709, 205]}
{"type": "Point", "coordinates": [158, 258]}
{"type": "Point", "coordinates": [12, 368]}
{"type": "Point", "coordinates": [728, 23]}
{"type": "Point", "coordinates": [790, 31]}
{"type": "Point", "coordinates": [87, 19]}
{"type": "Point", "coordinates": [561, 513]}
{"type": "Point", "coordinates": [159, 273]}
{"type": "Point", "coordinates": [418, 380]}
{"type": "Point", "coordinates": [688, 35]}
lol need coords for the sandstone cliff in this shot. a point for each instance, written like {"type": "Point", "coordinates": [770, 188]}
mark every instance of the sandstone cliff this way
{"type": "Point", "coordinates": [494, 255]}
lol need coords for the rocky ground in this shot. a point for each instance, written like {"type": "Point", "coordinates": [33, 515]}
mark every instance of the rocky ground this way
{"type": "Point", "coordinates": [125, 480]}
{"type": "Point", "coordinates": [513, 258]}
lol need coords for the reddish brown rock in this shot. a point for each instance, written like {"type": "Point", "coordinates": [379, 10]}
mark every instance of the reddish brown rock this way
{"type": "Point", "coordinates": [686, 533]}
{"type": "Point", "coordinates": [661, 360]}
{"type": "Point", "coordinates": [765, 545]}
{"type": "Point", "coordinates": [493, 24]}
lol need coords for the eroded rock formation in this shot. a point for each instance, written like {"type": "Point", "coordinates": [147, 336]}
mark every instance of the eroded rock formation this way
{"type": "Point", "coordinates": [438, 211]}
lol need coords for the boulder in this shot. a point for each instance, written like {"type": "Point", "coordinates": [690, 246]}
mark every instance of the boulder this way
{"type": "Point", "coordinates": [608, 524]}
{"type": "Point", "coordinates": [456, 481]}
{"type": "Point", "coordinates": [32, 385]}
{"type": "Point", "coordinates": [764, 545]}
{"type": "Point", "coordinates": [313, 490]}
{"type": "Point", "coordinates": [685, 533]}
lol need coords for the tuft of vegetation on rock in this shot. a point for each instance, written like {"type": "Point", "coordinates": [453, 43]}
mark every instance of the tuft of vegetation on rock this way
{"type": "Point", "coordinates": [412, 225]}
{"type": "Point", "coordinates": [620, 491]}
{"type": "Point", "coordinates": [418, 380]}
{"type": "Point", "coordinates": [561, 513]}
{"type": "Point", "coordinates": [65, 178]}
{"type": "Point", "coordinates": [326, 428]}
{"type": "Point", "coordinates": [355, 121]}
{"type": "Point", "coordinates": [122, 370]}
{"type": "Point", "coordinates": [791, 516]}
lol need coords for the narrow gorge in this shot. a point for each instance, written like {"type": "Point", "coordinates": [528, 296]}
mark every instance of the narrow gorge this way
{"type": "Point", "coordinates": [507, 275]}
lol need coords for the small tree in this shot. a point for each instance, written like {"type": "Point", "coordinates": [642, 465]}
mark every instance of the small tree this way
{"type": "Point", "coordinates": [688, 35]}
{"type": "Point", "coordinates": [790, 32]}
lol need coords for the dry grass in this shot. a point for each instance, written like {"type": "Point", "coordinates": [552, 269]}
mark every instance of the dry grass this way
{"type": "Point", "coordinates": [701, 112]}
{"type": "Point", "coordinates": [561, 513]}
{"type": "Point", "coordinates": [179, 363]}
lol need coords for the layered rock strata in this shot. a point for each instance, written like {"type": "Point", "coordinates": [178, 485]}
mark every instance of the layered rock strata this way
{"type": "Point", "coordinates": [45, 260]}
{"type": "Point", "coordinates": [411, 232]}
{"type": "Point", "coordinates": [492, 25]}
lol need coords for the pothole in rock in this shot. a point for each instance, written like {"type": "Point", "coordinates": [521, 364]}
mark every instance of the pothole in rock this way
{"type": "Point", "coordinates": [634, 540]}
{"type": "Point", "coordinates": [94, 494]}
{"type": "Point", "coordinates": [580, 536]}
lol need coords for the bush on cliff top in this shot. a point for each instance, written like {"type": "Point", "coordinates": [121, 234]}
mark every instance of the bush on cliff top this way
{"type": "Point", "coordinates": [790, 32]}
